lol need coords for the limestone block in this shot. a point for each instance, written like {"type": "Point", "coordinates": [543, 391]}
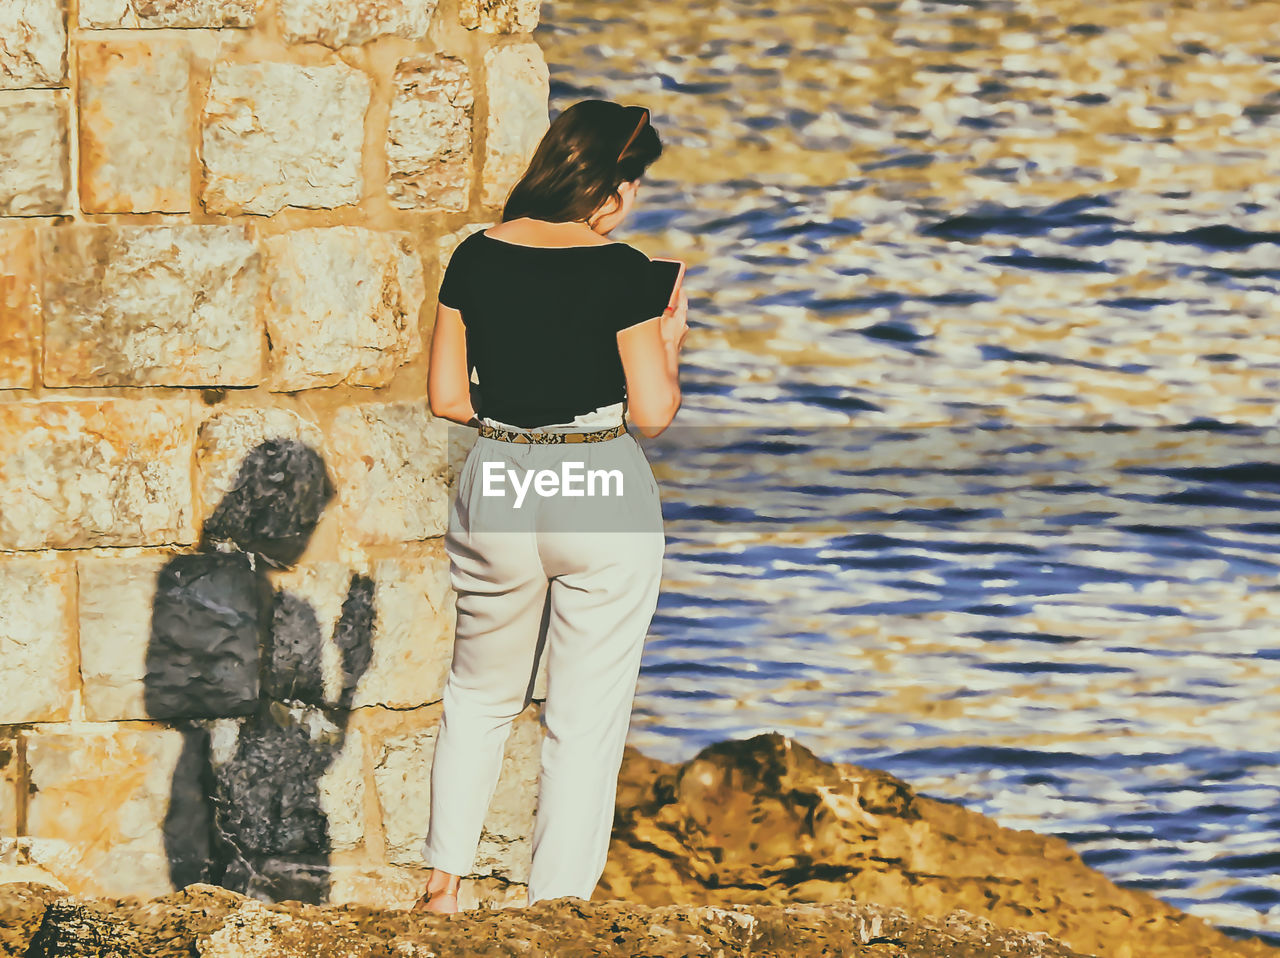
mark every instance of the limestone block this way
{"type": "Point", "coordinates": [229, 446]}
{"type": "Point", "coordinates": [413, 640]}
{"type": "Point", "coordinates": [167, 13]}
{"type": "Point", "coordinates": [19, 306]}
{"type": "Point", "coordinates": [500, 16]}
{"type": "Point", "coordinates": [134, 117]}
{"type": "Point", "coordinates": [35, 177]}
{"type": "Point", "coordinates": [376, 634]}
{"type": "Point", "coordinates": [391, 463]}
{"type": "Point", "coordinates": [33, 44]}
{"type": "Point", "coordinates": [376, 886]}
{"type": "Point", "coordinates": [429, 139]}
{"type": "Point", "coordinates": [519, 90]}
{"type": "Point", "coordinates": [337, 23]}
{"type": "Point", "coordinates": [170, 636]}
{"type": "Point", "coordinates": [288, 781]}
{"type": "Point", "coordinates": [281, 134]}
{"type": "Point", "coordinates": [95, 472]}
{"type": "Point", "coordinates": [276, 500]}
{"type": "Point", "coordinates": [116, 595]}
{"type": "Point", "coordinates": [402, 778]}
{"type": "Point", "coordinates": [344, 305]}
{"type": "Point", "coordinates": [37, 640]}
{"type": "Point", "coordinates": [118, 809]}
{"type": "Point", "coordinates": [11, 779]}
{"type": "Point", "coordinates": [322, 633]}
{"type": "Point", "coordinates": [151, 306]}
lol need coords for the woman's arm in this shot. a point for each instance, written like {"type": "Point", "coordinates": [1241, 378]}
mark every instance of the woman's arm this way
{"type": "Point", "coordinates": [448, 385]}
{"type": "Point", "coordinates": [650, 354]}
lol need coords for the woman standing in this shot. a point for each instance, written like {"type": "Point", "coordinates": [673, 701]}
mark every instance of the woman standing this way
{"type": "Point", "coordinates": [546, 334]}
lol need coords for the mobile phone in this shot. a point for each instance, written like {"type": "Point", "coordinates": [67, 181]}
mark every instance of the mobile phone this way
{"type": "Point", "coordinates": [668, 274]}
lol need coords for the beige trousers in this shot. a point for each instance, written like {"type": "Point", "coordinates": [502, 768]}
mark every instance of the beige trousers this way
{"type": "Point", "coordinates": [574, 577]}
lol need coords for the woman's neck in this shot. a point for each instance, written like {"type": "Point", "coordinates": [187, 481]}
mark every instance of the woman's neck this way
{"type": "Point", "coordinates": [567, 227]}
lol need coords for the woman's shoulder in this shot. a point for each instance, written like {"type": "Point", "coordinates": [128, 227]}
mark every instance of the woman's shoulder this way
{"type": "Point", "coordinates": [469, 240]}
{"type": "Point", "coordinates": [635, 252]}
{"type": "Point", "coordinates": [633, 259]}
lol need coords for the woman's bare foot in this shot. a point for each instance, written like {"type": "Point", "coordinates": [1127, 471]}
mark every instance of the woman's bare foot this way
{"type": "Point", "coordinates": [441, 894]}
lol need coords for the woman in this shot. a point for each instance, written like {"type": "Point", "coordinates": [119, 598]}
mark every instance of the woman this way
{"type": "Point", "coordinates": [546, 334]}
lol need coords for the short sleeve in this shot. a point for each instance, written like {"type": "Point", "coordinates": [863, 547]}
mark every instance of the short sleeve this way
{"type": "Point", "coordinates": [637, 300]}
{"type": "Point", "coordinates": [453, 283]}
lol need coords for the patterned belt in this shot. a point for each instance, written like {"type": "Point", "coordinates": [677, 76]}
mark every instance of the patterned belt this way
{"type": "Point", "coordinates": [509, 435]}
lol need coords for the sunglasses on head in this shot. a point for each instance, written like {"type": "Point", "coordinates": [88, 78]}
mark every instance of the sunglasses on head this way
{"type": "Point", "coordinates": [644, 118]}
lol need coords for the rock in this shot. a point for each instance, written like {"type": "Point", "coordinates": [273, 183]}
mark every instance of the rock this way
{"type": "Point", "coordinates": [169, 636]}
{"type": "Point", "coordinates": [290, 783]}
{"type": "Point", "coordinates": [429, 134]}
{"type": "Point", "coordinates": [36, 601]}
{"type": "Point", "coordinates": [151, 305]}
{"type": "Point", "coordinates": [70, 929]}
{"type": "Point", "coordinates": [518, 85]}
{"type": "Point", "coordinates": [35, 142]}
{"type": "Point", "coordinates": [253, 931]}
{"type": "Point", "coordinates": [413, 634]}
{"type": "Point", "coordinates": [337, 23]}
{"type": "Point", "coordinates": [210, 922]}
{"type": "Point", "coordinates": [105, 14]}
{"type": "Point", "coordinates": [500, 16]}
{"type": "Point", "coordinates": [282, 134]}
{"type": "Point", "coordinates": [764, 820]}
{"type": "Point", "coordinates": [19, 305]}
{"type": "Point", "coordinates": [117, 807]}
{"type": "Point", "coordinates": [133, 120]}
{"type": "Point", "coordinates": [30, 875]}
{"type": "Point", "coordinates": [80, 473]}
{"type": "Point", "coordinates": [34, 52]}
{"type": "Point", "coordinates": [391, 462]}
{"type": "Point", "coordinates": [752, 848]}
{"type": "Point", "coordinates": [403, 779]}
{"type": "Point", "coordinates": [372, 632]}
{"type": "Point", "coordinates": [344, 304]}
{"type": "Point", "coordinates": [22, 906]}
{"type": "Point", "coordinates": [11, 784]}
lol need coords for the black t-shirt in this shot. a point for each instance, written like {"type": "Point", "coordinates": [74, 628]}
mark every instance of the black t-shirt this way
{"type": "Point", "coordinates": [542, 324]}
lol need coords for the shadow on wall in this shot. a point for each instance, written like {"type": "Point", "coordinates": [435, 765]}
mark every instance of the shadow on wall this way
{"type": "Point", "coordinates": [246, 808]}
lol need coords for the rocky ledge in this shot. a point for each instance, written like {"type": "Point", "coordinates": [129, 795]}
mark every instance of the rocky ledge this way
{"type": "Point", "coordinates": [213, 922]}
{"type": "Point", "coordinates": [752, 848]}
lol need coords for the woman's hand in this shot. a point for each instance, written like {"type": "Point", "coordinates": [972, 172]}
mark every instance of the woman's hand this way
{"type": "Point", "coordinates": [674, 324]}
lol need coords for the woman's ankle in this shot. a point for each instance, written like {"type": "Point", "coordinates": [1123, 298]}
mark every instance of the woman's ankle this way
{"type": "Point", "coordinates": [441, 882]}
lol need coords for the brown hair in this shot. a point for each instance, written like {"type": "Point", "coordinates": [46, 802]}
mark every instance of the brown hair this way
{"type": "Point", "coordinates": [577, 167]}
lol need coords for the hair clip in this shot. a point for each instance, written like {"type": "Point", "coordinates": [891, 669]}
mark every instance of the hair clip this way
{"type": "Point", "coordinates": [639, 126]}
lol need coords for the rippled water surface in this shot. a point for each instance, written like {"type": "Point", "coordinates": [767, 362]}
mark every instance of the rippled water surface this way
{"type": "Point", "coordinates": [976, 475]}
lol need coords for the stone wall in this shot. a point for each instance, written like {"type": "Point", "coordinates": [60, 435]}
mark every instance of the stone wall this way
{"type": "Point", "coordinates": [225, 618]}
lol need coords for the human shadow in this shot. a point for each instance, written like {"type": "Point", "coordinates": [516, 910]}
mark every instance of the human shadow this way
{"type": "Point", "coordinates": [237, 666]}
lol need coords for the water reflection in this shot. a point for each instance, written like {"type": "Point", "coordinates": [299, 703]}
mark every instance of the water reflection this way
{"type": "Point", "coordinates": [909, 223]}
